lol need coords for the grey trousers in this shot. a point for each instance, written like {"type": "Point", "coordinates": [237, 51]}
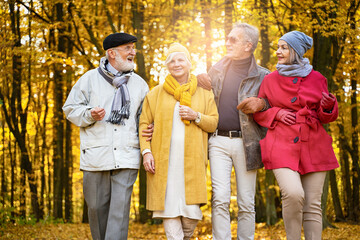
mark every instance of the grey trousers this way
{"type": "Point", "coordinates": [107, 195]}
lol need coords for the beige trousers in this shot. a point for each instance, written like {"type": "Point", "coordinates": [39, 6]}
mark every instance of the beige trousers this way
{"type": "Point", "coordinates": [301, 202]}
{"type": "Point", "coordinates": [179, 228]}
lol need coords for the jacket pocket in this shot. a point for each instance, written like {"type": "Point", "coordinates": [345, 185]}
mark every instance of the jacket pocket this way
{"type": "Point", "coordinates": [321, 150]}
{"type": "Point", "coordinates": [94, 143]}
{"type": "Point", "coordinates": [97, 157]}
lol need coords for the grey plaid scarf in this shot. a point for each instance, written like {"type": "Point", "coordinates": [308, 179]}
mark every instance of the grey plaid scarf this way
{"type": "Point", "coordinates": [120, 108]}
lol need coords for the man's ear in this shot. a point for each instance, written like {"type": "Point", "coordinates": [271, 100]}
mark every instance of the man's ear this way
{"type": "Point", "coordinates": [111, 53]}
{"type": "Point", "coordinates": [248, 47]}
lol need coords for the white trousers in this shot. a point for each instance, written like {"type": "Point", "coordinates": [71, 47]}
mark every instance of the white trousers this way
{"type": "Point", "coordinates": [224, 153]}
{"type": "Point", "coordinates": [301, 202]}
{"type": "Point", "coordinates": [179, 228]}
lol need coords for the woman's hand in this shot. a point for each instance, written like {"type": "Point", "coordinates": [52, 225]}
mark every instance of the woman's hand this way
{"type": "Point", "coordinates": [187, 113]}
{"type": "Point", "coordinates": [149, 163]}
{"type": "Point", "coordinates": [148, 132]}
{"type": "Point", "coordinates": [286, 117]}
{"type": "Point", "coordinates": [327, 101]}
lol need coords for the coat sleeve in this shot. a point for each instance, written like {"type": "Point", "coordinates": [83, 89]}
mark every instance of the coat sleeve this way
{"type": "Point", "coordinates": [145, 90]}
{"type": "Point", "coordinates": [326, 117]}
{"type": "Point", "coordinates": [267, 117]}
{"type": "Point", "coordinates": [146, 118]}
{"type": "Point", "coordinates": [210, 117]}
{"type": "Point", "coordinates": [76, 107]}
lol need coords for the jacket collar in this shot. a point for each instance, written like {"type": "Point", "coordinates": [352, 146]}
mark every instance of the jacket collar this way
{"type": "Point", "coordinates": [224, 63]}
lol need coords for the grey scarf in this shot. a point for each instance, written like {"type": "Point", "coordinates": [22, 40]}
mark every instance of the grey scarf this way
{"type": "Point", "coordinates": [295, 70]}
{"type": "Point", "coordinates": [120, 108]}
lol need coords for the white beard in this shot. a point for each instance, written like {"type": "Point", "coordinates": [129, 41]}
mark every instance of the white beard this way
{"type": "Point", "coordinates": [123, 66]}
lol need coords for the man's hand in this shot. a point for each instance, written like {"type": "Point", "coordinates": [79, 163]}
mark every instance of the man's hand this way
{"type": "Point", "coordinates": [327, 102]}
{"type": "Point", "coordinates": [149, 163]}
{"type": "Point", "coordinates": [97, 113]}
{"type": "Point", "coordinates": [251, 105]}
{"type": "Point", "coordinates": [204, 81]}
{"type": "Point", "coordinates": [148, 132]}
{"type": "Point", "coordinates": [286, 117]}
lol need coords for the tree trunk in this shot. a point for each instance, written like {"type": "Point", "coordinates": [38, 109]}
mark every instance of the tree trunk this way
{"type": "Point", "coordinates": [37, 162]}
{"type": "Point", "coordinates": [17, 117]}
{"type": "Point", "coordinates": [336, 198]}
{"type": "Point", "coordinates": [323, 57]}
{"type": "Point", "coordinates": [22, 195]}
{"type": "Point", "coordinates": [228, 16]}
{"type": "Point", "coordinates": [13, 166]}
{"type": "Point", "coordinates": [120, 4]}
{"type": "Point", "coordinates": [110, 21]}
{"type": "Point", "coordinates": [264, 34]}
{"type": "Point", "coordinates": [271, 214]}
{"type": "Point", "coordinates": [354, 114]}
{"type": "Point", "coordinates": [68, 172]}
{"type": "Point", "coordinates": [68, 168]}
{"type": "Point", "coordinates": [324, 197]}
{"type": "Point", "coordinates": [3, 180]}
{"type": "Point", "coordinates": [138, 25]}
{"type": "Point", "coordinates": [58, 157]}
{"type": "Point", "coordinates": [205, 12]}
{"type": "Point", "coordinates": [260, 208]}
{"type": "Point", "coordinates": [138, 19]}
{"type": "Point", "coordinates": [345, 168]}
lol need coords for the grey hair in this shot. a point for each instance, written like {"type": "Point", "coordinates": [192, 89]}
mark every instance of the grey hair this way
{"type": "Point", "coordinates": [295, 58]}
{"type": "Point", "coordinates": [171, 56]}
{"type": "Point", "coordinates": [251, 33]}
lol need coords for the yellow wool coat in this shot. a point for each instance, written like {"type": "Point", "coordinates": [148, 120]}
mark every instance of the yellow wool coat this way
{"type": "Point", "coordinates": [158, 108]}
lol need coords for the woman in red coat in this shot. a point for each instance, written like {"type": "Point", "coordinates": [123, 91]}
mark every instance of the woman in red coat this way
{"type": "Point", "coordinates": [296, 147]}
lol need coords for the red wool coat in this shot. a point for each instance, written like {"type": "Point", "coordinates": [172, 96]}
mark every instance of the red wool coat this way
{"type": "Point", "coordinates": [305, 146]}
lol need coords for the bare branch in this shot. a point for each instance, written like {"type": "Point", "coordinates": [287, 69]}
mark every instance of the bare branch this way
{"type": "Point", "coordinates": [32, 11]}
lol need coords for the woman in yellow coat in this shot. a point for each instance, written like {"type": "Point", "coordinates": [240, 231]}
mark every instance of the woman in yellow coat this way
{"type": "Point", "coordinates": [176, 157]}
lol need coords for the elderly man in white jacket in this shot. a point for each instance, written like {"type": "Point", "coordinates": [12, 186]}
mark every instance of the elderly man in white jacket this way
{"type": "Point", "coordinates": [106, 103]}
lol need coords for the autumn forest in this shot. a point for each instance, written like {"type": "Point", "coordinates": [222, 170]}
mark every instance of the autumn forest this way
{"type": "Point", "coordinates": [47, 45]}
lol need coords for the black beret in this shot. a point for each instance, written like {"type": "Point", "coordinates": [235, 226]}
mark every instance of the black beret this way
{"type": "Point", "coordinates": [117, 39]}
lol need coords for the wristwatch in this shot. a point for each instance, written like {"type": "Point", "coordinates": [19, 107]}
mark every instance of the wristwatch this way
{"type": "Point", "coordinates": [198, 118]}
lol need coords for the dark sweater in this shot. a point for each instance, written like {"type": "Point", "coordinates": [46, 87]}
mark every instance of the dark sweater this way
{"type": "Point", "coordinates": [228, 114]}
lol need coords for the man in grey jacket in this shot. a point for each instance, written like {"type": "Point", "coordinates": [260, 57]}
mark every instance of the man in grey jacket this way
{"type": "Point", "coordinates": [235, 80]}
{"type": "Point", "coordinates": [106, 104]}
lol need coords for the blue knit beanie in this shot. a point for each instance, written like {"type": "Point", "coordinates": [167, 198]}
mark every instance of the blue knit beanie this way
{"type": "Point", "coordinates": [299, 41]}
